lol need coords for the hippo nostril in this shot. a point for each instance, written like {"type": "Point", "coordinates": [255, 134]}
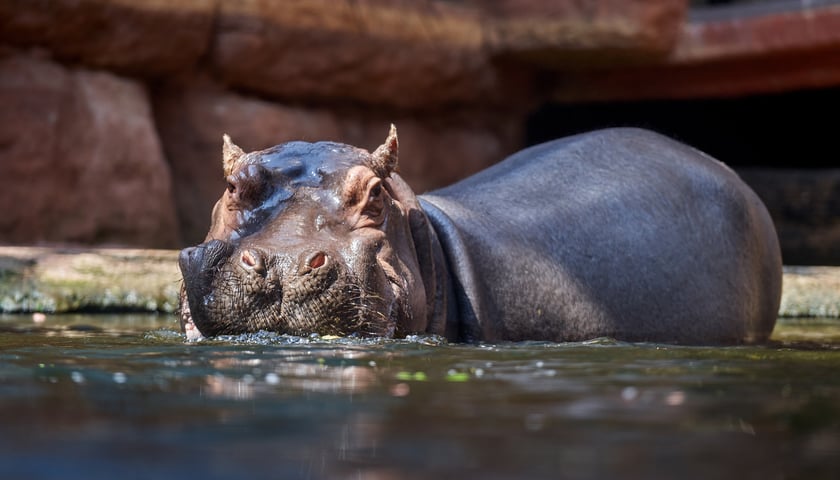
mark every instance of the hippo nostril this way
{"type": "Point", "coordinates": [316, 260]}
{"type": "Point", "coordinates": [252, 260]}
{"type": "Point", "coordinates": [248, 259]}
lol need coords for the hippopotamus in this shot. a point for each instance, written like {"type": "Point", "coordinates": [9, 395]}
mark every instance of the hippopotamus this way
{"type": "Point", "coordinates": [622, 233]}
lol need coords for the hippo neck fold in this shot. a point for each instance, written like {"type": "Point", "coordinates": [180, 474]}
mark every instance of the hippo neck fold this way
{"type": "Point", "coordinates": [459, 283]}
{"type": "Point", "coordinates": [441, 318]}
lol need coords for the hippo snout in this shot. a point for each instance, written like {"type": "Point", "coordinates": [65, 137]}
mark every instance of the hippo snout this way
{"type": "Point", "coordinates": [230, 288]}
{"type": "Point", "coordinates": [193, 261]}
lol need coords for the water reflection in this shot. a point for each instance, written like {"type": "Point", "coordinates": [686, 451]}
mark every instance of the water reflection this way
{"type": "Point", "coordinates": [268, 376]}
{"type": "Point", "coordinates": [130, 395]}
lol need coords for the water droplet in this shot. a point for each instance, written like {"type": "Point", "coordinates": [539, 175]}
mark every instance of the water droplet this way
{"type": "Point", "coordinates": [120, 377]}
{"type": "Point", "coordinates": [629, 394]}
{"type": "Point", "coordinates": [272, 378]}
{"type": "Point", "coordinates": [77, 377]}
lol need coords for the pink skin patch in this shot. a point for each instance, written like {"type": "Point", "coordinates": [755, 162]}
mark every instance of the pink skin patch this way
{"type": "Point", "coordinates": [192, 332]}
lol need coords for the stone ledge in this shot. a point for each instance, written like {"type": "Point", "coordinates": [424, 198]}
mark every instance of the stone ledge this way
{"type": "Point", "coordinates": [811, 292]}
{"type": "Point", "coordinates": [58, 280]}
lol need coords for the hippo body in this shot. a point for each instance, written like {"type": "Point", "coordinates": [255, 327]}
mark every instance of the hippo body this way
{"type": "Point", "coordinates": [622, 233]}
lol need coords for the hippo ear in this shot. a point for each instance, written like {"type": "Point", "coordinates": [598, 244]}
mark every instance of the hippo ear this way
{"type": "Point", "coordinates": [231, 154]}
{"type": "Point", "coordinates": [383, 160]}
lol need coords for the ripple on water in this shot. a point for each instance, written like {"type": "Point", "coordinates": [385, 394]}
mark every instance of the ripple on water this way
{"type": "Point", "coordinates": [102, 398]}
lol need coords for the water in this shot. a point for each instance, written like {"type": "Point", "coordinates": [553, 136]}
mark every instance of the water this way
{"type": "Point", "coordinates": [125, 397]}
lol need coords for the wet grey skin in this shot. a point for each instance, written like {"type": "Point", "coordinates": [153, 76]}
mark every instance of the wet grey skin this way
{"type": "Point", "coordinates": [622, 233]}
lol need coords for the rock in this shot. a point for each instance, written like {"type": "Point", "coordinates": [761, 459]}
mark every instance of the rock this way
{"type": "Point", "coordinates": [434, 151]}
{"type": "Point", "coordinates": [811, 292]}
{"type": "Point", "coordinates": [746, 48]}
{"type": "Point", "coordinates": [575, 34]}
{"type": "Point", "coordinates": [81, 159]}
{"type": "Point", "coordinates": [402, 54]}
{"type": "Point", "coordinates": [430, 54]}
{"type": "Point", "coordinates": [145, 37]}
{"type": "Point", "coordinates": [399, 53]}
{"type": "Point", "coordinates": [67, 280]}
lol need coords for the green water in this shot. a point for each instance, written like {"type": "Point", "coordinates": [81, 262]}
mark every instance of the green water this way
{"type": "Point", "coordinates": [124, 397]}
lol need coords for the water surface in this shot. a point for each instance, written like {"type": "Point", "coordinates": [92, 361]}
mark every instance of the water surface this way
{"type": "Point", "coordinates": [124, 396]}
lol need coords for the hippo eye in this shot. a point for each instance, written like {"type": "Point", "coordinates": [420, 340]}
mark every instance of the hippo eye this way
{"type": "Point", "coordinates": [231, 188]}
{"type": "Point", "coordinates": [376, 190]}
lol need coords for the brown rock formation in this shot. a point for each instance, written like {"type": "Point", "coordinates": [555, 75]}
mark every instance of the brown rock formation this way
{"type": "Point", "coordinates": [143, 37]}
{"type": "Point", "coordinates": [457, 77]}
{"type": "Point", "coordinates": [81, 159]}
{"type": "Point", "coordinates": [738, 51]}
{"type": "Point", "coordinates": [396, 53]}
{"type": "Point", "coordinates": [573, 34]}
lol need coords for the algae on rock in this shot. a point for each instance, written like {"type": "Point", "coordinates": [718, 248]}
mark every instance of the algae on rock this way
{"type": "Point", "coordinates": [68, 280]}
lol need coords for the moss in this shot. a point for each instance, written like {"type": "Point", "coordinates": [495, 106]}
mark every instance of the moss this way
{"type": "Point", "coordinates": [54, 281]}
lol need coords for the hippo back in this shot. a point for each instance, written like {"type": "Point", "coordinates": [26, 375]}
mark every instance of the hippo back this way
{"type": "Point", "coordinates": [620, 232]}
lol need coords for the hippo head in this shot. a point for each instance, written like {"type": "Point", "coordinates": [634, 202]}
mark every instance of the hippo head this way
{"type": "Point", "coordinates": [310, 238]}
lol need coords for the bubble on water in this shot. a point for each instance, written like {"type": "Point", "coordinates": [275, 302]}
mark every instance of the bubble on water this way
{"type": "Point", "coordinates": [120, 377]}
{"type": "Point", "coordinates": [539, 364]}
{"type": "Point", "coordinates": [164, 335]}
{"type": "Point", "coordinates": [429, 340]}
{"type": "Point", "coordinates": [272, 378]}
{"type": "Point", "coordinates": [628, 394]}
{"type": "Point", "coordinates": [478, 372]}
{"type": "Point", "coordinates": [77, 377]}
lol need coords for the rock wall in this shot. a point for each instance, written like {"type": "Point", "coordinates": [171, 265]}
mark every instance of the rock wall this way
{"type": "Point", "coordinates": [112, 111]}
{"type": "Point", "coordinates": [81, 158]}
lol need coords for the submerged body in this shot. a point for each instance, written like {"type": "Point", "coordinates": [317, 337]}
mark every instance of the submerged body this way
{"type": "Point", "coordinates": [621, 232]}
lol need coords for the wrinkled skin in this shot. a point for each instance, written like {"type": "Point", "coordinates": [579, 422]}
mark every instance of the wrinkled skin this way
{"type": "Point", "coordinates": [306, 238]}
{"type": "Point", "coordinates": [620, 232]}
